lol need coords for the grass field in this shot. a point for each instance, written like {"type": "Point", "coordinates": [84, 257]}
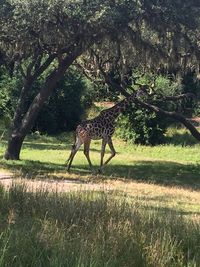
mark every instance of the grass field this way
{"type": "Point", "coordinates": [93, 229]}
{"type": "Point", "coordinates": [150, 216]}
{"type": "Point", "coordinates": [170, 164]}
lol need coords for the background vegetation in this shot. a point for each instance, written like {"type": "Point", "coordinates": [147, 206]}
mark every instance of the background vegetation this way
{"type": "Point", "coordinates": [39, 43]}
{"type": "Point", "coordinates": [144, 209]}
{"type": "Point", "coordinates": [65, 108]}
{"type": "Point", "coordinates": [74, 94]}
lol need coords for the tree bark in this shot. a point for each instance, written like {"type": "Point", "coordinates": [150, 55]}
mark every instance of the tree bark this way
{"type": "Point", "coordinates": [14, 146]}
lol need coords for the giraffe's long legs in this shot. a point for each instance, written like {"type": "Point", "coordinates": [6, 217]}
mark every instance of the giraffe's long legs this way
{"type": "Point", "coordinates": [87, 151]}
{"type": "Point", "coordinates": [113, 152]}
{"type": "Point", "coordinates": [103, 147]}
{"type": "Point", "coordinates": [75, 148]}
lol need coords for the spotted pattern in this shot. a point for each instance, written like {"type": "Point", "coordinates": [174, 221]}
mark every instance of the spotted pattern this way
{"type": "Point", "coordinates": [101, 127]}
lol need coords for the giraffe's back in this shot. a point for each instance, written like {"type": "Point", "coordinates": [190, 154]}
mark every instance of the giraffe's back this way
{"type": "Point", "coordinates": [95, 129]}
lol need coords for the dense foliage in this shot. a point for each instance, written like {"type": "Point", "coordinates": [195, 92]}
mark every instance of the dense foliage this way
{"type": "Point", "coordinates": [9, 92]}
{"type": "Point", "coordinates": [142, 126]}
{"type": "Point", "coordinates": [61, 112]}
{"type": "Point", "coordinates": [44, 39]}
{"type": "Point", "coordinates": [67, 105]}
{"type": "Point", "coordinates": [74, 94]}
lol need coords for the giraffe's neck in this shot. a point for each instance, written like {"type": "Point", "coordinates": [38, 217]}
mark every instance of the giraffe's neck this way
{"type": "Point", "coordinates": [116, 110]}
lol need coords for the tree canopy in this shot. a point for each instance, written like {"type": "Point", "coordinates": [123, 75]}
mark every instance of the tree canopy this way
{"type": "Point", "coordinates": [47, 37]}
{"type": "Point", "coordinates": [149, 32]}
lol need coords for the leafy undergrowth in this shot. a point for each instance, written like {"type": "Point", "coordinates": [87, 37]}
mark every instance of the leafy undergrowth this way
{"type": "Point", "coordinates": [92, 229]}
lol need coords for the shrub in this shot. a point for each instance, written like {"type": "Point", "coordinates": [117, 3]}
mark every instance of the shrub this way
{"type": "Point", "coordinates": [61, 112]}
{"type": "Point", "coordinates": [142, 126]}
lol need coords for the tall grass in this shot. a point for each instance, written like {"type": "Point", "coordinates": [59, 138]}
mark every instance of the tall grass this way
{"type": "Point", "coordinates": [92, 229]}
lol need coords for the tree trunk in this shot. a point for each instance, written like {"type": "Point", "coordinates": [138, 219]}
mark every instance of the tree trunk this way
{"type": "Point", "coordinates": [14, 146]}
{"type": "Point", "coordinates": [15, 137]}
{"type": "Point", "coordinates": [18, 132]}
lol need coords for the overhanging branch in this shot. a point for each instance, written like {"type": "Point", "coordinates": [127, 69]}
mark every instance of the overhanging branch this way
{"type": "Point", "coordinates": [173, 115]}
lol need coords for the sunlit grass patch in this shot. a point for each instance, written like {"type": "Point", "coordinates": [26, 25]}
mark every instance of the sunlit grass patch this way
{"type": "Point", "coordinates": [180, 136]}
{"type": "Point", "coordinates": [165, 164]}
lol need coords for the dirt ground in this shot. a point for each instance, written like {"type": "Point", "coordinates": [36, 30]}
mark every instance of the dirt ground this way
{"type": "Point", "coordinates": [7, 179]}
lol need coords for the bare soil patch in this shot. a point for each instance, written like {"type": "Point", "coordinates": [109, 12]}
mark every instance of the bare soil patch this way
{"type": "Point", "coordinates": [8, 179]}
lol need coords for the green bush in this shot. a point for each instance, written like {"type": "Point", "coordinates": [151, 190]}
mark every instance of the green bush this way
{"type": "Point", "coordinates": [63, 110]}
{"type": "Point", "coordinates": [9, 91]}
{"type": "Point", "coordinates": [66, 106]}
{"type": "Point", "coordinates": [142, 126]}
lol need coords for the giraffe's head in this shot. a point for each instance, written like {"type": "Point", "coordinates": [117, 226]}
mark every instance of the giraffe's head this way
{"type": "Point", "coordinates": [143, 91]}
{"type": "Point", "coordinates": [113, 112]}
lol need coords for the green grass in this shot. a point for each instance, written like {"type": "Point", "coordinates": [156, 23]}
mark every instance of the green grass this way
{"type": "Point", "coordinates": [92, 229]}
{"type": "Point", "coordinates": [149, 217]}
{"type": "Point", "coordinates": [167, 164]}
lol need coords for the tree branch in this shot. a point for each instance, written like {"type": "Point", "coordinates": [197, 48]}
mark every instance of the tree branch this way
{"type": "Point", "coordinates": [44, 66]}
{"type": "Point", "coordinates": [172, 115]}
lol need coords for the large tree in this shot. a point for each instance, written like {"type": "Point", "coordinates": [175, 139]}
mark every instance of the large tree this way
{"type": "Point", "coordinates": [45, 38]}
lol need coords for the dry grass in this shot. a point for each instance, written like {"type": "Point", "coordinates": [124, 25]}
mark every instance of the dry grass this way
{"type": "Point", "coordinates": [93, 229]}
{"type": "Point", "coordinates": [184, 201]}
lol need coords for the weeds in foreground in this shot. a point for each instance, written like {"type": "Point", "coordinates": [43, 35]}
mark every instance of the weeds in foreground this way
{"type": "Point", "coordinates": [92, 229]}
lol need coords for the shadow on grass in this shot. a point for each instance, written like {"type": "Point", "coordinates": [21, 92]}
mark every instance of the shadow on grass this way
{"type": "Point", "coordinates": [67, 147]}
{"type": "Point", "coordinates": [31, 167]}
{"type": "Point", "coordinates": [53, 146]}
{"type": "Point", "coordinates": [45, 142]}
{"type": "Point", "coordinates": [157, 172]}
{"type": "Point", "coordinates": [49, 146]}
{"type": "Point", "coordinates": [43, 146]}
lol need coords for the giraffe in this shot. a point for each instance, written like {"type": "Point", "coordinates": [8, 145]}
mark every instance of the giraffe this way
{"type": "Point", "coordinates": [100, 127]}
